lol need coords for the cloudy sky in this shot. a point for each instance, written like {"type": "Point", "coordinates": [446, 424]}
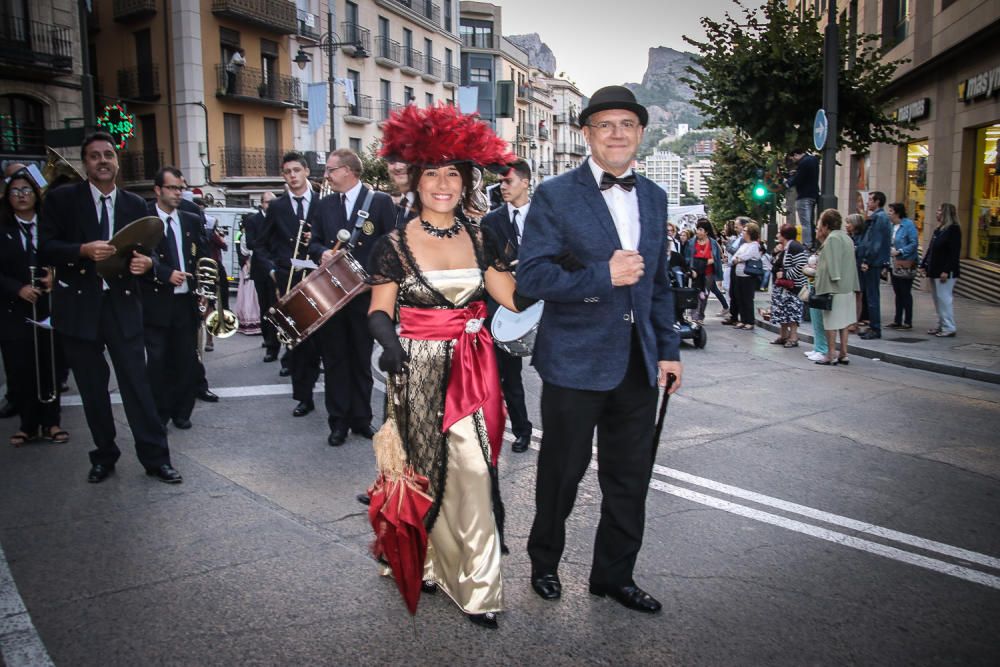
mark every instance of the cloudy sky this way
{"type": "Point", "coordinates": [601, 42]}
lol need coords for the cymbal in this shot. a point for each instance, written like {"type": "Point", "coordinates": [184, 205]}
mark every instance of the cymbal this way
{"type": "Point", "coordinates": [143, 235]}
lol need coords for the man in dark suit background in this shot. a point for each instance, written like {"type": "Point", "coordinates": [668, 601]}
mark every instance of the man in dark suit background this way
{"type": "Point", "coordinates": [253, 227]}
{"type": "Point", "coordinates": [170, 305]}
{"type": "Point", "coordinates": [93, 314]}
{"type": "Point", "coordinates": [605, 341]}
{"type": "Point", "coordinates": [188, 206]}
{"type": "Point", "coordinates": [344, 341]}
{"type": "Point", "coordinates": [507, 222]}
{"type": "Point", "coordinates": [399, 172]}
{"type": "Point", "coordinates": [279, 241]}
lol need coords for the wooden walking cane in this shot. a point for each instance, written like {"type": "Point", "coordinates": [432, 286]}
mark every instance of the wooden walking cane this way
{"type": "Point", "coordinates": [662, 413]}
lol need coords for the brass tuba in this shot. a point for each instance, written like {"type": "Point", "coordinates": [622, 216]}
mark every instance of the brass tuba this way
{"type": "Point", "coordinates": [220, 323]}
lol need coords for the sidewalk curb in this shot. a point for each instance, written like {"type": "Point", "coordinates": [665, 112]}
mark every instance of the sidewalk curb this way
{"type": "Point", "coordinates": [970, 372]}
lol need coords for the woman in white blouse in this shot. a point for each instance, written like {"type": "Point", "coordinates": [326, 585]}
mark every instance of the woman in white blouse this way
{"type": "Point", "coordinates": [745, 283]}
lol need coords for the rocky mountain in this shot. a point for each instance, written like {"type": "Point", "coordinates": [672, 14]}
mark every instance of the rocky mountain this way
{"type": "Point", "coordinates": [662, 91]}
{"type": "Point", "coordinates": [539, 54]}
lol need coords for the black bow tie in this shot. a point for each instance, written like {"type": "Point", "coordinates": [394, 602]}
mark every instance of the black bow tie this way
{"type": "Point", "coordinates": [608, 181]}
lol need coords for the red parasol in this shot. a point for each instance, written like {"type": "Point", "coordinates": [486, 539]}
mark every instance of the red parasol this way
{"type": "Point", "coordinates": [399, 503]}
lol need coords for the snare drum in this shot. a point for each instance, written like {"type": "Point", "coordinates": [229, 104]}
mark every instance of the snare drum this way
{"type": "Point", "coordinates": [514, 333]}
{"type": "Point", "coordinates": [320, 295]}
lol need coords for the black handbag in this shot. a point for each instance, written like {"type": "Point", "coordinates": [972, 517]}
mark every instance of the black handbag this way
{"type": "Point", "coordinates": [754, 267]}
{"type": "Point", "coordinates": [821, 301]}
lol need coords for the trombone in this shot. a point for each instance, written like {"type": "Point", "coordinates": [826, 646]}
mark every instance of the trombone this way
{"type": "Point", "coordinates": [303, 229]}
{"type": "Point", "coordinates": [37, 275]}
{"type": "Point", "coordinates": [220, 323]}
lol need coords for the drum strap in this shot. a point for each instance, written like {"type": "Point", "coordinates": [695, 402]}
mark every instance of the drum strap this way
{"type": "Point", "coordinates": [361, 218]}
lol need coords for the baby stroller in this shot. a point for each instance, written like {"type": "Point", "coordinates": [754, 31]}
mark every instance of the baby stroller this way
{"type": "Point", "coordinates": [685, 300]}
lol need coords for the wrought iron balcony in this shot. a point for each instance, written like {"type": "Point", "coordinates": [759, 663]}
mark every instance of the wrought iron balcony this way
{"type": "Point", "coordinates": [359, 113]}
{"type": "Point", "coordinates": [452, 76]}
{"type": "Point", "coordinates": [567, 119]}
{"type": "Point", "coordinates": [274, 15]}
{"type": "Point", "coordinates": [578, 149]}
{"type": "Point", "coordinates": [480, 41]}
{"type": "Point", "coordinates": [308, 25]}
{"type": "Point", "coordinates": [139, 83]}
{"type": "Point", "coordinates": [432, 69]}
{"type": "Point", "coordinates": [33, 48]}
{"type": "Point", "coordinates": [239, 162]}
{"type": "Point", "coordinates": [356, 35]}
{"type": "Point", "coordinates": [413, 61]}
{"type": "Point", "coordinates": [384, 108]}
{"type": "Point", "coordinates": [139, 165]}
{"type": "Point", "coordinates": [527, 131]}
{"type": "Point", "coordinates": [387, 51]}
{"type": "Point", "coordinates": [249, 84]}
{"type": "Point", "coordinates": [133, 10]}
{"type": "Point", "coordinates": [430, 11]}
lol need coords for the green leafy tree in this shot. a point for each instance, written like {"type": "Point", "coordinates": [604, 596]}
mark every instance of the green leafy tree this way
{"type": "Point", "coordinates": [735, 166]}
{"type": "Point", "coordinates": [687, 197]}
{"type": "Point", "coordinates": [374, 170]}
{"type": "Point", "coordinates": [762, 73]}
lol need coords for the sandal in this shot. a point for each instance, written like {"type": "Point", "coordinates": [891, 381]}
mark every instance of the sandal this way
{"type": "Point", "coordinates": [792, 343]}
{"type": "Point", "coordinates": [844, 361]}
{"type": "Point", "coordinates": [20, 438]}
{"type": "Point", "coordinates": [57, 435]}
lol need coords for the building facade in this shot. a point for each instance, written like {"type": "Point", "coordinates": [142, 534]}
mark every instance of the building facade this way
{"type": "Point", "coordinates": [665, 169]}
{"type": "Point", "coordinates": [569, 146]}
{"type": "Point", "coordinates": [696, 177]}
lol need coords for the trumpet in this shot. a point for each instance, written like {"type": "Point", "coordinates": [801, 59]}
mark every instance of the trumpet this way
{"type": "Point", "coordinates": [220, 323]}
{"type": "Point", "coordinates": [37, 275]}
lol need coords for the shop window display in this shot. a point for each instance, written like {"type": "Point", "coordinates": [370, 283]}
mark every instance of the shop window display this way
{"type": "Point", "coordinates": [985, 241]}
{"type": "Point", "coordinates": [917, 155]}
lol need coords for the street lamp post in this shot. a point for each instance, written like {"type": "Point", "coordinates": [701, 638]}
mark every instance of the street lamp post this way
{"type": "Point", "coordinates": [329, 42]}
{"type": "Point", "coordinates": [831, 73]}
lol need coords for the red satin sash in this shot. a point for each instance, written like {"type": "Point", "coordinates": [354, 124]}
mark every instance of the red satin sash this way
{"type": "Point", "coordinates": [474, 381]}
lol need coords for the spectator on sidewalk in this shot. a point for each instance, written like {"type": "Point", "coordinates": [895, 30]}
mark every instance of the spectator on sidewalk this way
{"type": "Point", "coordinates": [805, 180]}
{"type": "Point", "coordinates": [873, 251]}
{"type": "Point", "coordinates": [836, 274]}
{"type": "Point", "coordinates": [941, 264]}
{"type": "Point", "coordinates": [704, 257]}
{"type": "Point", "coordinates": [855, 230]}
{"type": "Point", "coordinates": [745, 283]}
{"type": "Point", "coordinates": [904, 263]}
{"type": "Point", "coordinates": [786, 307]}
{"type": "Point", "coordinates": [734, 239]}
{"type": "Point", "coordinates": [820, 348]}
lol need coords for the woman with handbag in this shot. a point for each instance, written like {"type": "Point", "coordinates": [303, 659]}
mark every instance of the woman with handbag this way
{"type": "Point", "coordinates": [748, 269]}
{"type": "Point", "coordinates": [786, 307]}
{"type": "Point", "coordinates": [836, 283]}
{"type": "Point", "coordinates": [705, 259]}
{"type": "Point", "coordinates": [904, 265]}
{"type": "Point", "coordinates": [820, 348]}
{"type": "Point", "coordinates": [941, 263]}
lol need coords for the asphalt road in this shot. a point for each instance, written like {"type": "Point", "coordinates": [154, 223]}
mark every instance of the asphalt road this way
{"type": "Point", "coordinates": [799, 515]}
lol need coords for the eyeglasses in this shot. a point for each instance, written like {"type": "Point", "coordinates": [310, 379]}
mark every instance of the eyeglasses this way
{"type": "Point", "coordinates": [21, 192]}
{"type": "Point", "coordinates": [607, 127]}
{"type": "Point", "coordinates": [330, 170]}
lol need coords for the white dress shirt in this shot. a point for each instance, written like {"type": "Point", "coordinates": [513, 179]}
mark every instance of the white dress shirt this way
{"type": "Point", "coordinates": [522, 213]}
{"type": "Point", "coordinates": [624, 208]}
{"type": "Point", "coordinates": [97, 194]}
{"type": "Point", "coordinates": [352, 198]}
{"type": "Point", "coordinates": [179, 243]}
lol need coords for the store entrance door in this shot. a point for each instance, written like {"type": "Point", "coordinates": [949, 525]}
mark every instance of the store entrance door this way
{"type": "Point", "coordinates": [915, 194]}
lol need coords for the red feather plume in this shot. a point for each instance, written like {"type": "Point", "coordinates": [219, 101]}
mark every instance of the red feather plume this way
{"type": "Point", "coordinates": [441, 135]}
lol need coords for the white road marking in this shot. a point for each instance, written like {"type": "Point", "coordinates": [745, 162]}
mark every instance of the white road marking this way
{"type": "Point", "coordinates": [20, 644]}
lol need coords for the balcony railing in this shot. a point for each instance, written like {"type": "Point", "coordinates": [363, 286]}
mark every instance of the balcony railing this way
{"type": "Point", "coordinates": [34, 44]}
{"type": "Point", "coordinates": [139, 165]}
{"type": "Point", "coordinates": [578, 149]}
{"type": "Point", "coordinates": [413, 60]}
{"type": "Point", "coordinates": [274, 15]}
{"type": "Point", "coordinates": [387, 50]}
{"type": "Point", "coordinates": [360, 111]}
{"type": "Point", "coordinates": [430, 11]}
{"type": "Point", "coordinates": [133, 10]}
{"type": "Point", "coordinates": [139, 83]}
{"type": "Point", "coordinates": [249, 83]}
{"type": "Point", "coordinates": [522, 92]}
{"type": "Point", "coordinates": [526, 130]}
{"type": "Point", "coordinates": [452, 75]}
{"type": "Point", "coordinates": [239, 162]}
{"type": "Point", "coordinates": [432, 69]}
{"type": "Point", "coordinates": [543, 132]}
{"type": "Point", "coordinates": [308, 24]}
{"type": "Point", "coordinates": [567, 119]}
{"type": "Point", "coordinates": [383, 108]}
{"type": "Point", "coordinates": [357, 35]}
{"type": "Point", "coordinates": [479, 41]}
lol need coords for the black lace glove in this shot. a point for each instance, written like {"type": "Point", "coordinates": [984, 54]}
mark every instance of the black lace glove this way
{"type": "Point", "coordinates": [394, 357]}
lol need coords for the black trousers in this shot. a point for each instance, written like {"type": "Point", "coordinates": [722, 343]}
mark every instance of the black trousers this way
{"type": "Point", "coordinates": [172, 360]}
{"type": "Point", "coordinates": [346, 348]}
{"type": "Point", "coordinates": [903, 287]}
{"type": "Point", "coordinates": [624, 419]}
{"type": "Point", "coordinates": [734, 303]}
{"type": "Point", "coordinates": [513, 392]}
{"type": "Point", "coordinates": [744, 289]}
{"type": "Point", "coordinates": [266, 298]}
{"type": "Point", "coordinates": [22, 382]}
{"type": "Point", "coordinates": [90, 368]}
{"type": "Point", "coordinates": [303, 361]}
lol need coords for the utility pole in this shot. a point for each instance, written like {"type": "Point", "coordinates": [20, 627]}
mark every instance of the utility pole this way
{"type": "Point", "coordinates": [831, 74]}
{"type": "Point", "coordinates": [332, 76]}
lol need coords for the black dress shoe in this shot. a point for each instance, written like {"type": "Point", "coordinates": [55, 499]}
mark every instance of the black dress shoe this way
{"type": "Point", "coordinates": [547, 586]}
{"type": "Point", "coordinates": [165, 473]}
{"type": "Point", "coordinates": [183, 424]}
{"type": "Point", "coordinates": [303, 408]}
{"type": "Point", "coordinates": [7, 410]}
{"type": "Point", "coordinates": [870, 335]}
{"type": "Point", "coordinates": [270, 356]}
{"type": "Point", "coordinates": [365, 431]}
{"type": "Point", "coordinates": [364, 498]}
{"type": "Point", "coordinates": [428, 587]}
{"type": "Point", "coordinates": [99, 472]}
{"type": "Point", "coordinates": [284, 372]}
{"type": "Point", "coordinates": [207, 396]}
{"type": "Point", "coordinates": [487, 620]}
{"type": "Point", "coordinates": [521, 443]}
{"type": "Point", "coordinates": [337, 437]}
{"type": "Point", "coordinates": [630, 596]}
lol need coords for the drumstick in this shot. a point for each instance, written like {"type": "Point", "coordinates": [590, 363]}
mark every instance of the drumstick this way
{"type": "Point", "coordinates": [343, 236]}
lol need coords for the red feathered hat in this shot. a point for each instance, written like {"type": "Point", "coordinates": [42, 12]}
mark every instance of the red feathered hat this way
{"type": "Point", "coordinates": [442, 135]}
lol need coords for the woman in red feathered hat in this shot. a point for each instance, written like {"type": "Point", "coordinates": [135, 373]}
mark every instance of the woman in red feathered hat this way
{"type": "Point", "coordinates": [435, 272]}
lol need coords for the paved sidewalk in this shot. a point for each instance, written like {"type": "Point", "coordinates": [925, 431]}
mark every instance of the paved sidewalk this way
{"type": "Point", "coordinates": [973, 353]}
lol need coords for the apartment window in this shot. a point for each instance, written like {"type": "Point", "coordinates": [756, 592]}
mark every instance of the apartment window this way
{"type": "Point", "coordinates": [232, 151]}
{"type": "Point", "coordinates": [150, 147]}
{"type": "Point", "coordinates": [447, 15]}
{"type": "Point", "coordinates": [895, 22]}
{"type": "Point", "coordinates": [408, 96]}
{"type": "Point", "coordinates": [479, 75]}
{"type": "Point", "coordinates": [383, 33]}
{"type": "Point", "coordinates": [355, 77]}
{"type": "Point", "coordinates": [449, 59]}
{"type": "Point", "coordinates": [355, 144]}
{"type": "Point", "coordinates": [428, 53]}
{"type": "Point", "coordinates": [268, 69]}
{"type": "Point", "coordinates": [477, 34]}
{"type": "Point", "coordinates": [407, 47]}
{"type": "Point", "coordinates": [429, 99]}
{"type": "Point", "coordinates": [385, 98]}
{"type": "Point", "coordinates": [22, 125]}
{"type": "Point", "coordinates": [351, 12]}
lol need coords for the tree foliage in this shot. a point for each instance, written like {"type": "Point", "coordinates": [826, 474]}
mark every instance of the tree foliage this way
{"type": "Point", "coordinates": [374, 170]}
{"type": "Point", "coordinates": [735, 166]}
{"type": "Point", "coordinates": [763, 74]}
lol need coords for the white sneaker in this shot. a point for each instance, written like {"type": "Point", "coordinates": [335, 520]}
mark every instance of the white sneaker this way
{"type": "Point", "coordinates": [815, 356]}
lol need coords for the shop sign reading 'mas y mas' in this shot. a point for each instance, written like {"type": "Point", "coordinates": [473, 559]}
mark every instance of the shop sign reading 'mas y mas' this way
{"type": "Point", "coordinates": [986, 84]}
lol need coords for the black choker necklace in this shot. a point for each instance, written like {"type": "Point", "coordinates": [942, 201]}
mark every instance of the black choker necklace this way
{"type": "Point", "coordinates": [439, 233]}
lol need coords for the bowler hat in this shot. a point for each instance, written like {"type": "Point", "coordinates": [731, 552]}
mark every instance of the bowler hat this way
{"type": "Point", "coordinates": [614, 97]}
